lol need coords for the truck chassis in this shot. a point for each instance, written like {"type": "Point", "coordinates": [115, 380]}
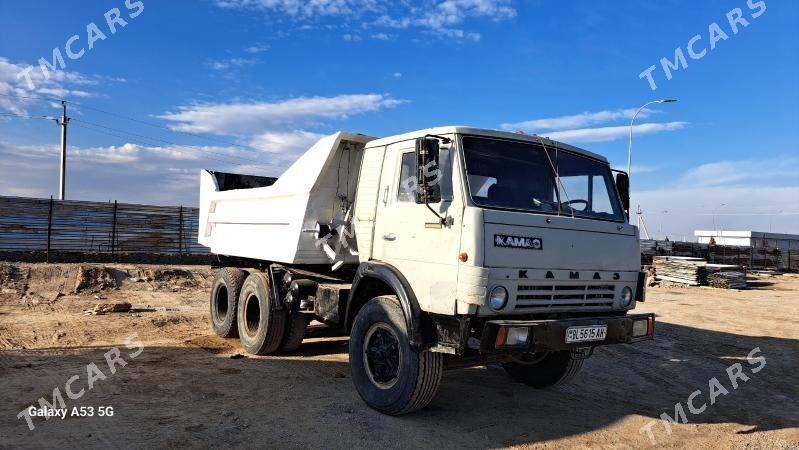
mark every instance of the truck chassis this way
{"type": "Point", "coordinates": [397, 351]}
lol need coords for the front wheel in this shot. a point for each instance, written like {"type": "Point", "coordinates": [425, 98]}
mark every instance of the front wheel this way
{"type": "Point", "coordinates": [542, 370]}
{"type": "Point", "coordinates": [388, 373]}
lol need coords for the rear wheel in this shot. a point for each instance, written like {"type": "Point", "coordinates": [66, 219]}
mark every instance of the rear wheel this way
{"type": "Point", "coordinates": [388, 373]}
{"type": "Point", "coordinates": [261, 323]}
{"type": "Point", "coordinates": [225, 299]}
{"type": "Point", "coordinates": [295, 331]}
{"type": "Point", "coordinates": [542, 370]}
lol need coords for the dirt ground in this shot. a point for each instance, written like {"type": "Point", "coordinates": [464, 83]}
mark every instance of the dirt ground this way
{"type": "Point", "coordinates": [181, 386]}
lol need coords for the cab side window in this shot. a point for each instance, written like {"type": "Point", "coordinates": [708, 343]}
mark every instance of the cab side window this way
{"type": "Point", "coordinates": [407, 190]}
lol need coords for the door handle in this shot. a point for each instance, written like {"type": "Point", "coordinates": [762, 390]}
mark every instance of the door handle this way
{"type": "Point", "coordinates": [385, 196]}
{"type": "Point", "coordinates": [390, 237]}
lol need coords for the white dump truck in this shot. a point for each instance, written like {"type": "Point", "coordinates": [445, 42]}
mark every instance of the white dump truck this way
{"type": "Point", "coordinates": [442, 248]}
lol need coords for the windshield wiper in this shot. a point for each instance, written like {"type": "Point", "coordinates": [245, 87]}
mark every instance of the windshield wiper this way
{"type": "Point", "coordinates": [558, 183]}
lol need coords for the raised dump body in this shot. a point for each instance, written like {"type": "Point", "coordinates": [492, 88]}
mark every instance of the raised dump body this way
{"type": "Point", "coordinates": [282, 220]}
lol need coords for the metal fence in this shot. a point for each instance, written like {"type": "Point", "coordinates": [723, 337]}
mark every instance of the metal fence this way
{"type": "Point", "coordinates": [31, 224]}
{"type": "Point", "coordinates": [751, 257]}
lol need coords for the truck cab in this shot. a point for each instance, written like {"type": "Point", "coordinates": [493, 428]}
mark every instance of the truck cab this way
{"type": "Point", "coordinates": [505, 228]}
{"type": "Point", "coordinates": [445, 247]}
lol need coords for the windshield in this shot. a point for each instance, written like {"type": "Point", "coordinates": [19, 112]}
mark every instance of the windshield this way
{"type": "Point", "coordinates": [518, 175]}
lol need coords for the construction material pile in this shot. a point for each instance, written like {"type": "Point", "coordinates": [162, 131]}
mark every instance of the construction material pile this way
{"type": "Point", "coordinates": [681, 269]}
{"type": "Point", "coordinates": [715, 268]}
{"type": "Point", "coordinates": [697, 272]}
{"type": "Point", "coordinates": [727, 280]}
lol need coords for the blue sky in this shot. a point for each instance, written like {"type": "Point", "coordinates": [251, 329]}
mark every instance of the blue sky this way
{"type": "Point", "coordinates": [259, 80]}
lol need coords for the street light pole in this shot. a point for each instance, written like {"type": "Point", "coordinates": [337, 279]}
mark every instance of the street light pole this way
{"type": "Point", "coordinates": [630, 147]}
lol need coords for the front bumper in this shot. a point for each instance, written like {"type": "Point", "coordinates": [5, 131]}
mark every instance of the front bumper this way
{"type": "Point", "coordinates": [550, 335]}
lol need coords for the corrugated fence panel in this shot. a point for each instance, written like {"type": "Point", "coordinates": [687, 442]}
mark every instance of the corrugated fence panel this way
{"type": "Point", "coordinates": [79, 226]}
{"type": "Point", "coordinates": [23, 223]}
{"type": "Point", "coordinates": [752, 257]}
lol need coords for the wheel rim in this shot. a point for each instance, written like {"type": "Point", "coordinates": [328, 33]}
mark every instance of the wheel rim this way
{"type": "Point", "coordinates": [252, 315]}
{"type": "Point", "coordinates": [221, 304]}
{"type": "Point", "coordinates": [382, 355]}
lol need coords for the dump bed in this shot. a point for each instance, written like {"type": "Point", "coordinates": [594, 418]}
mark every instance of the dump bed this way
{"type": "Point", "coordinates": [283, 219]}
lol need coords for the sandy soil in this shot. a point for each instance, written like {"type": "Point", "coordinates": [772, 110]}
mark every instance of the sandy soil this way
{"type": "Point", "coordinates": [188, 388]}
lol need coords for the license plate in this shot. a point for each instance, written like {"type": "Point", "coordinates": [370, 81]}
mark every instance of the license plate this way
{"type": "Point", "coordinates": [584, 334]}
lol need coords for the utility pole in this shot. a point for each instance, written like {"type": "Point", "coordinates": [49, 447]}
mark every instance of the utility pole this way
{"type": "Point", "coordinates": [63, 175]}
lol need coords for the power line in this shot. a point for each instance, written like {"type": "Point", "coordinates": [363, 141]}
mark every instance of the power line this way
{"type": "Point", "coordinates": [151, 144]}
{"type": "Point", "coordinates": [30, 97]}
{"type": "Point", "coordinates": [20, 116]}
{"type": "Point", "coordinates": [174, 144]}
{"type": "Point", "coordinates": [132, 119]}
{"type": "Point", "coordinates": [155, 125]}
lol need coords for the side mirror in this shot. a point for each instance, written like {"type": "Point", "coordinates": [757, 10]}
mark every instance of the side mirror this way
{"type": "Point", "coordinates": [623, 186]}
{"type": "Point", "coordinates": [428, 174]}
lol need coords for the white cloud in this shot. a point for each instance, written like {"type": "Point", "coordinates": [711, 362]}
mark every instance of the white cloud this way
{"type": "Point", "coordinates": [677, 211]}
{"type": "Point", "coordinates": [257, 48]}
{"type": "Point", "coordinates": [444, 18]}
{"type": "Point", "coordinates": [285, 145]}
{"type": "Point", "coordinates": [253, 118]}
{"type": "Point", "coordinates": [61, 84]}
{"type": "Point", "coordinates": [309, 9]}
{"type": "Point", "coordinates": [735, 194]}
{"type": "Point", "coordinates": [457, 33]}
{"type": "Point", "coordinates": [749, 172]}
{"type": "Point", "coordinates": [126, 172]}
{"type": "Point", "coordinates": [445, 15]}
{"type": "Point", "coordinates": [232, 63]}
{"type": "Point", "coordinates": [576, 120]}
{"type": "Point", "coordinates": [638, 169]}
{"type": "Point", "coordinates": [604, 134]}
{"type": "Point", "coordinates": [455, 12]}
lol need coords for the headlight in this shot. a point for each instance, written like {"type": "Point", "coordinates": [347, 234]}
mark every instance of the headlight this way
{"type": "Point", "coordinates": [497, 298]}
{"type": "Point", "coordinates": [626, 296]}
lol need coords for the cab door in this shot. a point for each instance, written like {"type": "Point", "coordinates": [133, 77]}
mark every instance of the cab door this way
{"type": "Point", "coordinates": [410, 237]}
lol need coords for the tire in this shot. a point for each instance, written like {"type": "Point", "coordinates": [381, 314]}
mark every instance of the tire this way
{"type": "Point", "coordinates": [552, 369]}
{"type": "Point", "coordinates": [261, 326]}
{"type": "Point", "coordinates": [295, 331]}
{"type": "Point", "coordinates": [390, 384]}
{"type": "Point", "coordinates": [225, 300]}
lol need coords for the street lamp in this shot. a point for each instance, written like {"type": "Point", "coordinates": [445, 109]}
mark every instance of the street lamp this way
{"type": "Point", "coordinates": [630, 148]}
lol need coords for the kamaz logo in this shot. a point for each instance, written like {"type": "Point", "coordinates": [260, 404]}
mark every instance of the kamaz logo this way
{"type": "Point", "coordinates": [529, 243]}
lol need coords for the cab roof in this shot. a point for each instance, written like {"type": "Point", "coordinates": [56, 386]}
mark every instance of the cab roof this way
{"type": "Point", "coordinates": [482, 132]}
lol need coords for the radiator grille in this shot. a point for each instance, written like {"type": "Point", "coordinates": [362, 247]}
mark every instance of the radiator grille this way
{"type": "Point", "coordinates": [553, 296]}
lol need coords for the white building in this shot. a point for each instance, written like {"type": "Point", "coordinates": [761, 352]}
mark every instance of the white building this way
{"type": "Point", "coordinates": [758, 239]}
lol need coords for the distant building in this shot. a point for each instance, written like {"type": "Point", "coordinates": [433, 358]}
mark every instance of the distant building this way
{"type": "Point", "coordinates": [758, 239]}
